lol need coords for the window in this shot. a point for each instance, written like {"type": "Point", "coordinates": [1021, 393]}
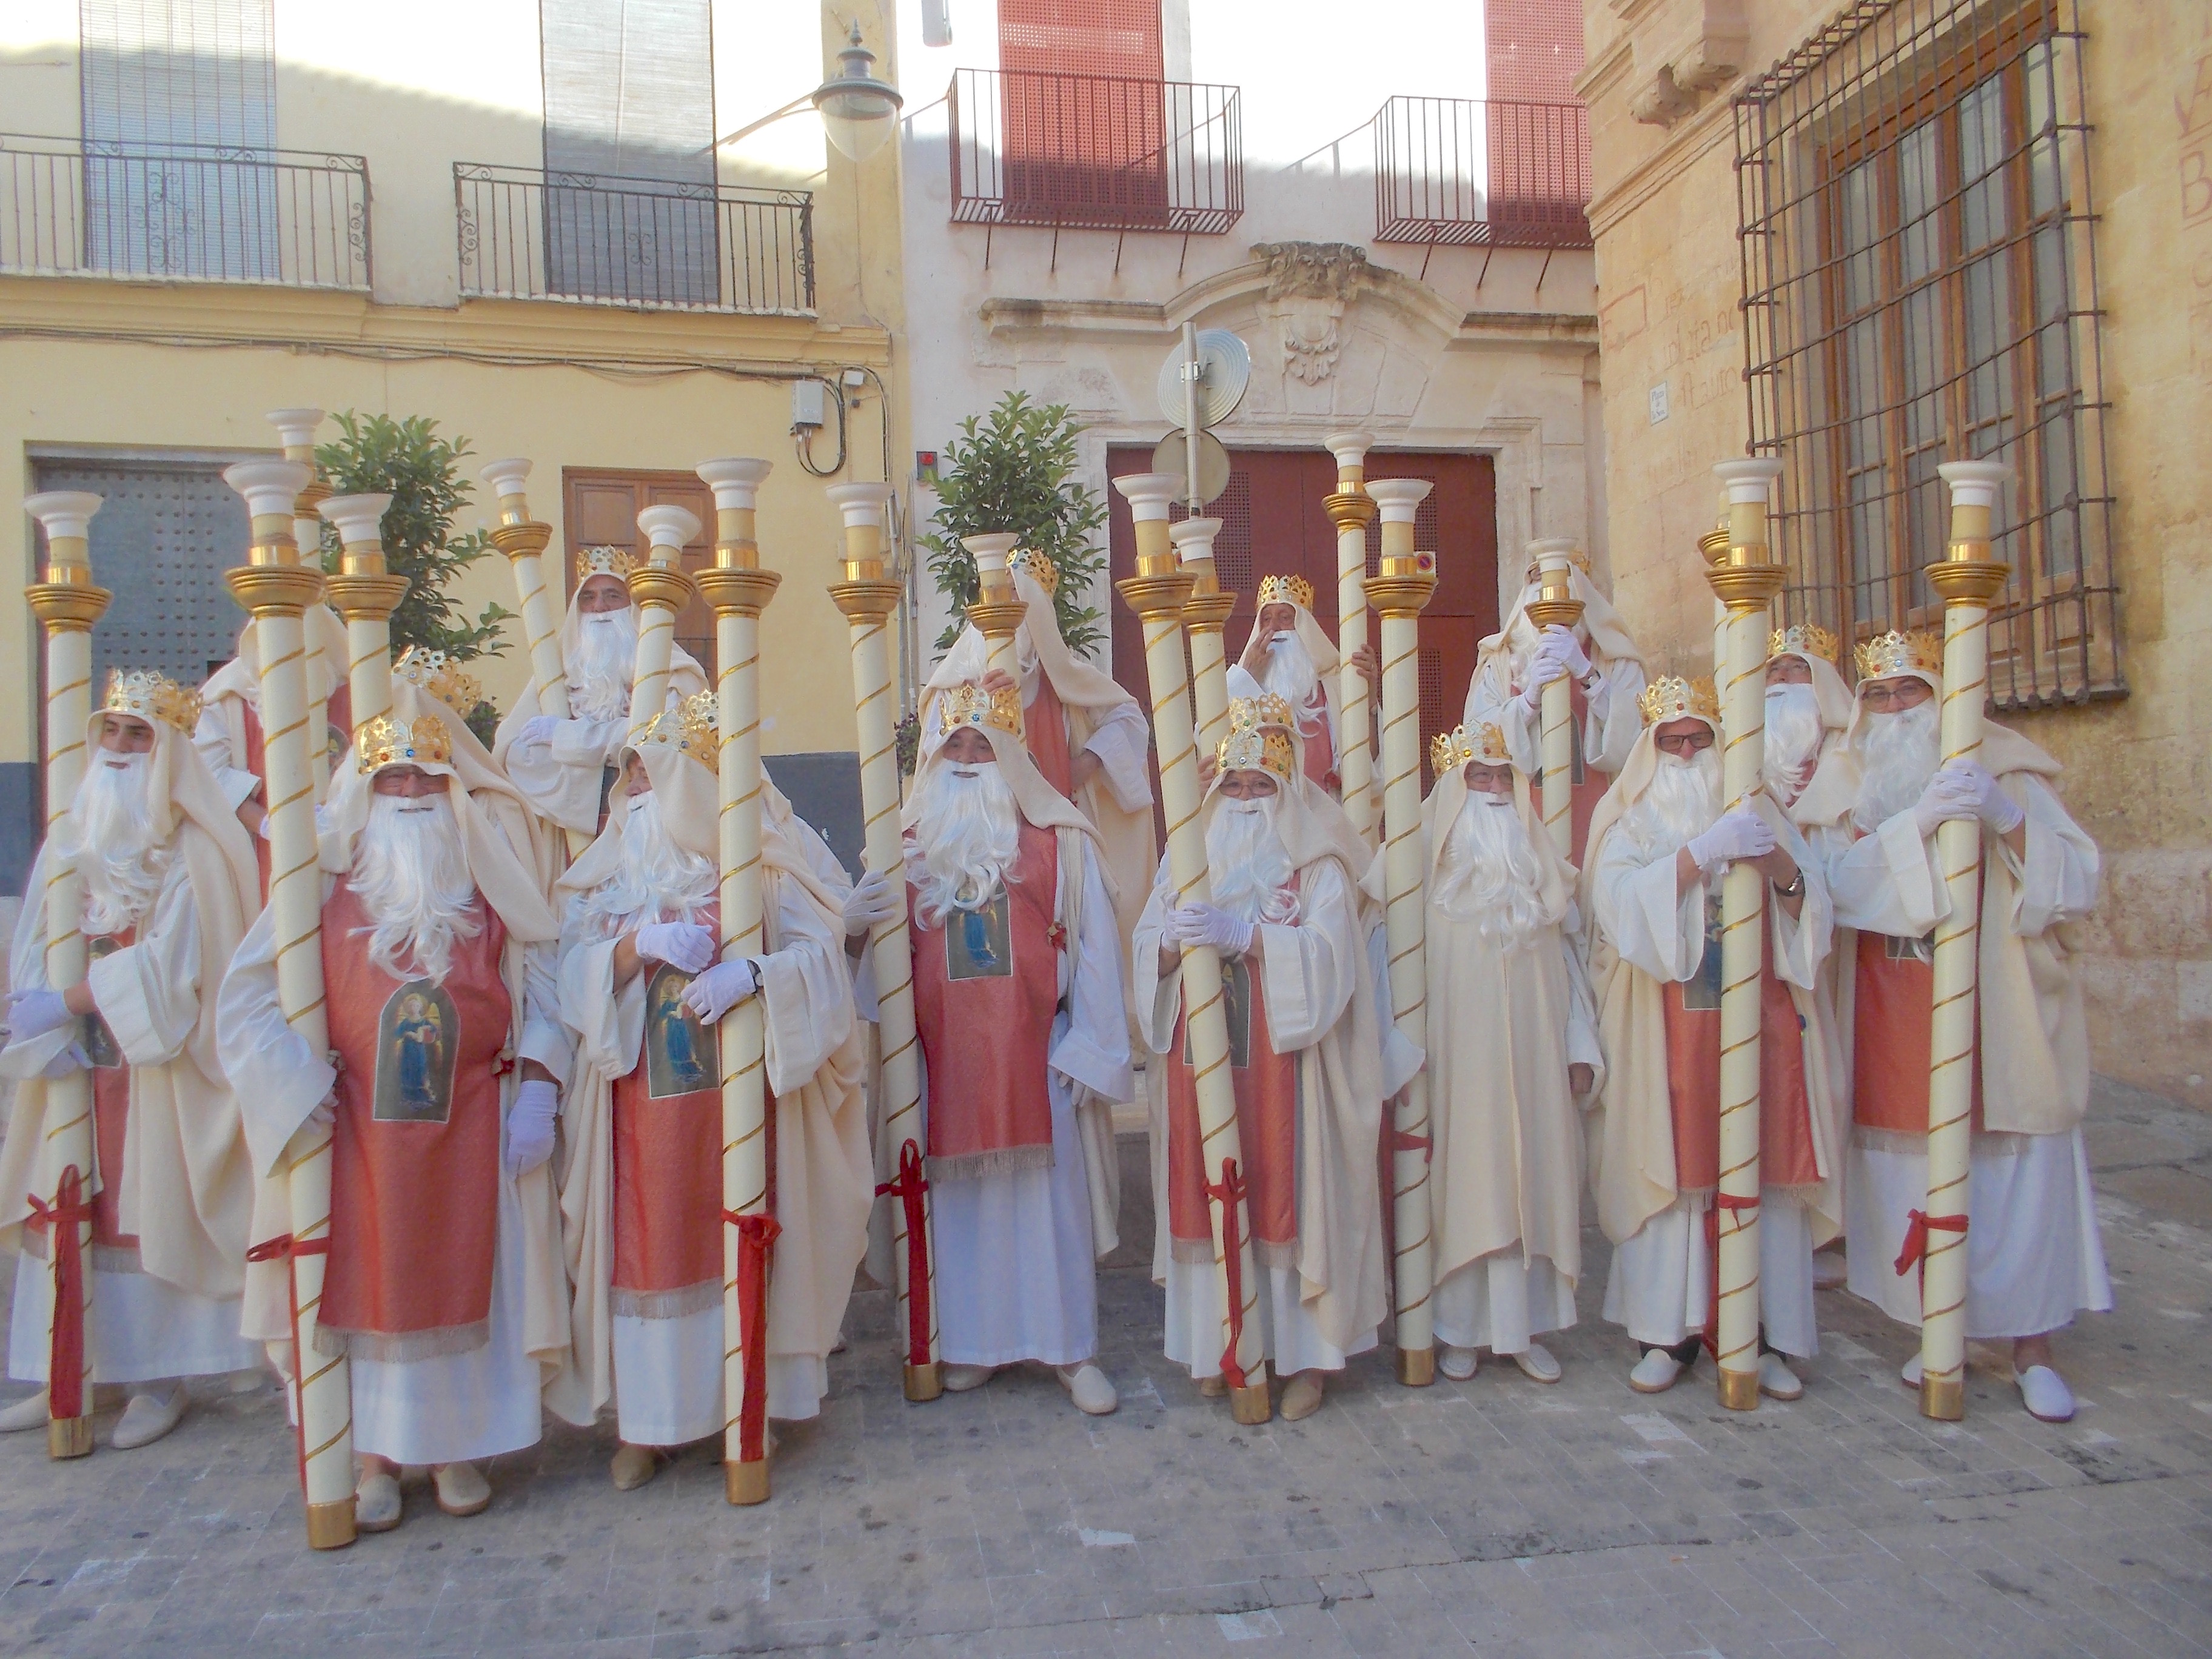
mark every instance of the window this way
{"type": "Point", "coordinates": [1919, 287]}
{"type": "Point", "coordinates": [1536, 137]}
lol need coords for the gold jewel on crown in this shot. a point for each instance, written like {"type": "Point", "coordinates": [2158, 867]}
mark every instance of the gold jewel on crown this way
{"type": "Point", "coordinates": [150, 694]}
{"type": "Point", "coordinates": [385, 741]}
{"type": "Point", "coordinates": [1040, 568]}
{"type": "Point", "coordinates": [1451, 750]}
{"type": "Point", "coordinates": [1286, 590]}
{"type": "Point", "coordinates": [970, 704]}
{"type": "Point", "coordinates": [1803, 638]}
{"type": "Point", "coordinates": [1257, 748]}
{"type": "Point", "coordinates": [690, 729]}
{"type": "Point", "coordinates": [1670, 698]}
{"type": "Point", "coordinates": [437, 674]}
{"type": "Point", "coordinates": [603, 562]}
{"type": "Point", "coordinates": [1917, 651]}
{"type": "Point", "coordinates": [1253, 714]}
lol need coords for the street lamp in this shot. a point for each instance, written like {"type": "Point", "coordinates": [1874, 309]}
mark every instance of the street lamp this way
{"type": "Point", "coordinates": [858, 112]}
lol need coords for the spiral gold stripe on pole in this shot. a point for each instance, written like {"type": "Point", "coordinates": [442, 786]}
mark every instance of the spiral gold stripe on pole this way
{"type": "Point", "coordinates": [1203, 616]}
{"type": "Point", "coordinates": [297, 427]}
{"type": "Point", "coordinates": [1557, 604]}
{"type": "Point", "coordinates": [1351, 509]}
{"type": "Point", "coordinates": [522, 540]}
{"type": "Point", "coordinates": [659, 588]}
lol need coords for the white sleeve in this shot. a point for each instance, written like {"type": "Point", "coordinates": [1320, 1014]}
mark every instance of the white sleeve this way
{"type": "Point", "coordinates": [149, 992]}
{"type": "Point", "coordinates": [211, 736]}
{"type": "Point", "coordinates": [2057, 884]}
{"type": "Point", "coordinates": [1311, 970]}
{"type": "Point", "coordinates": [1800, 944]}
{"type": "Point", "coordinates": [1159, 996]}
{"type": "Point", "coordinates": [1402, 1058]}
{"type": "Point", "coordinates": [1120, 742]}
{"type": "Point", "coordinates": [807, 987]}
{"type": "Point", "coordinates": [1094, 1050]}
{"type": "Point", "coordinates": [1888, 882]}
{"type": "Point", "coordinates": [606, 1026]}
{"type": "Point", "coordinates": [1614, 721]}
{"type": "Point", "coordinates": [544, 1038]}
{"type": "Point", "coordinates": [1491, 699]}
{"type": "Point", "coordinates": [1637, 906]}
{"type": "Point", "coordinates": [26, 971]}
{"type": "Point", "coordinates": [279, 1078]}
{"type": "Point", "coordinates": [1583, 1047]}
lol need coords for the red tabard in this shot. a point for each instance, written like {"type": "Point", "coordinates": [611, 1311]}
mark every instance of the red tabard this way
{"type": "Point", "coordinates": [340, 733]}
{"type": "Point", "coordinates": [1694, 1084]}
{"type": "Point", "coordinates": [1044, 724]}
{"type": "Point", "coordinates": [1893, 1008]}
{"type": "Point", "coordinates": [1266, 1121]}
{"type": "Point", "coordinates": [110, 1111]}
{"type": "Point", "coordinates": [415, 1169]}
{"type": "Point", "coordinates": [985, 983]}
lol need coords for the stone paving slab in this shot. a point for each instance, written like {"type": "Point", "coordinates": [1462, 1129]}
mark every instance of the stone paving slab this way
{"type": "Point", "coordinates": [1495, 1517]}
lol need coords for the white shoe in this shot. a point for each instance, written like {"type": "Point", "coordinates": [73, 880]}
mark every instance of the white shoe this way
{"type": "Point", "coordinates": [1458, 1363]}
{"type": "Point", "coordinates": [1537, 1363]}
{"type": "Point", "coordinates": [25, 1415]}
{"type": "Point", "coordinates": [1090, 1389]}
{"type": "Point", "coordinates": [1909, 1374]}
{"type": "Point", "coordinates": [376, 1501]}
{"type": "Point", "coordinates": [1655, 1372]}
{"type": "Point", "coordinates": [2046, 1396]}
{"type": "Point", "coordinates": [1830, 1270]}
{"type": "Point", "coordinates": [959, 1379]}
{"type": "Point", "coordinates": [151, 1414]}
{"type": "Point", "coordinates": [1777, 1381]}
{"type": "Point", "coordinates": [461, 1489]}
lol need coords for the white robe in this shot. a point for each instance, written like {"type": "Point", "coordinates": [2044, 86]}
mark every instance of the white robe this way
{"type": "Point", "coordinates": [1610, 726]}
{"type": "Point", "coordinates": [211, 736]}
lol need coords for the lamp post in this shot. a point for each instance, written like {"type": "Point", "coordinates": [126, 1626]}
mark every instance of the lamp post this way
{"type": "Point", "coordinates": [1203, 614]}
{"type": "Point", "coordinates": [1351, 509]}
{"type": "Point", "coordinates": [1554, 558]}
{"type": "Point", "coordinates": [297, 428]}
{"type": "Point", "coordinates": [659, 588]}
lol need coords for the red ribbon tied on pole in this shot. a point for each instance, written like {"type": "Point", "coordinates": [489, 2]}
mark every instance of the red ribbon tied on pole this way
{"type": "Point", "coordinates": [1918, 1224]}
{"type": "Point", "coordinates": [1229, 1192]}
{"type": "Point", "coordinates": [65, 1358]}
{"type": "Point", "coordinates": [287, 1249]}
{"type": "Point", "coordinates": [907, 1189]}
{"type": "Point", "coordinates": [1720, 1201]}
{"type": "Point", "coordinates": [1402, 1140]}
{"type": "Point", "coordinates": [755, 1233]}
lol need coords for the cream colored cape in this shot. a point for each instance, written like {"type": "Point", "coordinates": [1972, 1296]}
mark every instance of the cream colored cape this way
{"type": "Point", "coordinates": [187, 1186]}
{"type": "Point", "coordinates": [1606, 636]}
{"type": "Point", "coordinates": [236, 686]}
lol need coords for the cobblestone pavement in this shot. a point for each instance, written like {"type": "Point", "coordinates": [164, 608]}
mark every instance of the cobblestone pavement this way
{"type": "Point", "coordinates": [1494, 1515]}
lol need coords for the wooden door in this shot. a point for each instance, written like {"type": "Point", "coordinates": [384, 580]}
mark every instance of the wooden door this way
{"type": "Point", "coordinates": [599, 509]}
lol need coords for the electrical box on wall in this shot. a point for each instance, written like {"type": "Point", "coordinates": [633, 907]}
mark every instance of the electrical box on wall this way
{"type": "Point", "coordinates": [936, 22]}
{"type": "Point", "coordinates": [809, 405]}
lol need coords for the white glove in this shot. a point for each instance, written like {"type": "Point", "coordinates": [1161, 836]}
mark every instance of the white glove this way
{"type": "Point", "coordinates": [34, 1013]}
{"type": "Point", "coordinates": [1736, 834]}
{"type": "Point", "coordinates": [530, 1125]}
{"type": "Point", "coordinates": [1203, 924]}
{"type": "Point", "coordinates": [71, 1059]}
{"type": "Point", "coordinates": [538, 728]}
{"type": "Point", "coordinates": [1568, 650]}
{"type": "Point", "coordinates": [719, 990]}
{"type": "Point", "coordinates": [326, 1115]}
{"type": "Point", "coordinates": [1948, 796]}
{"type": "Point", "coordinates": [1973, 782]}
{"type": "Point", "coordinates": [684, 945]}
{"type": "Point", "coordinates": [322, 819]}
{"type": "Point", "coordinates": [869, 902]}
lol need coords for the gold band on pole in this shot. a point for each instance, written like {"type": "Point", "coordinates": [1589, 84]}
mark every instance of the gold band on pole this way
{"type": "Point", "coordinates": [1351, 509]}
{"type": "Point", "coordinates": [1203, 615]}
{"type": "Point", "coordinates": [1554, 558]}
{"type": "Point", "coordinates": [1970, 580]}
{"type": "Point", "coordinates": [1399, 593]}
{"type": "Point", "coordinates": [1158, 593]}
{"type": "Point", "coordinates": [869, 599]}
{"type": "Point", "coordinates": [997, 611]}
{"type": "Point", "coordinates": [739, 590]}
{"type": "Point", "coordinates": [276, 589]}
{"type": "Point", "coordinates": [659, 588]}
{"type": "Point", "coordinates": [1746, 581]}
{"type": "Point", "coordinates": [522, 540]}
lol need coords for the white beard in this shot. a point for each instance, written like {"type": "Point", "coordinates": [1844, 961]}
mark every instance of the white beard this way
{"type": "Point", "coordinates": [1793, 739]}
{"type": "Point", "coordinates": [970, 835]}
{"type": "Point", "coordinates": [1682, 800]}
{"type": "Point", "coordinates": [659, 881]}
{"type": "Point", "coordinates": [1489, 874]}
{"type": "Point", "coordinates": [1289, 670]}
{"type": "Point", "coordinates": [1247, 864]}
{"type": "Point", "coordinates": [410, 872]}
{"type": "Point", "coordinates": [1897, 755]}
{"type": "Point", "coordinates": [115, 851]}
{"type": "Point", "coordinates": [604, 658]}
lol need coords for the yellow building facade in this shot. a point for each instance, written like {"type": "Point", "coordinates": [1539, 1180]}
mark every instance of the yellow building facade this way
{"type": "Point", "coordinates": [507, 216]}
{"type": "Point", "coordinates": [1873, 236]}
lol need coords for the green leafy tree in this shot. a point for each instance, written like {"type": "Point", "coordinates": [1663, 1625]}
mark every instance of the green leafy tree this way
{"type": "Point", "coordinates": [1010, 470]}
{"type": "Point", "coordinates": [420, 471]}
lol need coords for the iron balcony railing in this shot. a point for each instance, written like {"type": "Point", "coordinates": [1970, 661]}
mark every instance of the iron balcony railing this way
{"type": "Point", "coordinates": [1096, 152]}
{"type": "Point", "coordinates": [193, 213]}
{"type": "Point", "coordinates": [1482, 173]}
{"type": "Point", "coordinates": [648, 243]}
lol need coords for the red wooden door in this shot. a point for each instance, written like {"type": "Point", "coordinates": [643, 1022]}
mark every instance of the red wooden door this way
{"type": "Point", "coordinates": [599, 507]}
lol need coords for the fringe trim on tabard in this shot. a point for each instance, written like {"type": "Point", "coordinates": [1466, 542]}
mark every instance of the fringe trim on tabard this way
{"type": "Point", "coordinates": [117, 1259]}
{"type": "Point", "coordinates": [1901, 1141]}
{"type": "Point", "coordinates": [678, 1304]}
{"type": "Point", "coordinates": [1804, 1194]}
{"type": "Point", "coordinates": [403, 1348]}
{"type": "Point", "coordinates": [1285, 1255]}
{"type": "Point", "coordinates": [1696, 1199]}
{"type": "Point", "coordinates": [974, 1166]}
{"type": "Point", "coordinates": [1198, 1252]}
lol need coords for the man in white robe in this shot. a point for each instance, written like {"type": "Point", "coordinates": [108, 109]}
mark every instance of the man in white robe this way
{"type": "Point", "coordinates": [2033, 1255]}
{"type": "Point", "coordinates": [1291, 656]}
{"type": "Point", "coordinates": [169, 886]}
{"type": "Point", "coordinates": [444, 1287]}
{"type": "Point", "coordinates": [1305, 1056]}
{"type": "Point", "coordinates": [228, 734]}
{"type": "Point", "coordinates": [1019, 1003]}
{"type": "Point", "coordinates": [1659, 845]}
{"type": "Point", "coordinates": [642, 991]}
{"type": "Point", "coordinates": [1512, 1050]}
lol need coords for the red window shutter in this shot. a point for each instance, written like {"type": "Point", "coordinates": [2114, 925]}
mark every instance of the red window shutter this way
{"type": "Point", "coordinates": [1535, 48]}
{"type": "Point", "coordinates": [1083, 37]}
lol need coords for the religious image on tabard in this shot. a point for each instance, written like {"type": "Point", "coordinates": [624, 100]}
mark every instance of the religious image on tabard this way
{"type": "Point", "coordinates": [417, 1041]}
{"type": "Point", "coordinates": [682, 1056]}
{"type": "Point", "coordinates": [979, 944]}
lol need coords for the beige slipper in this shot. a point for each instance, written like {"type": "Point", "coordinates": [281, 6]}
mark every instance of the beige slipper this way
{"type": "Point", "coordinates": [150, 1415]}
{"type": "Point", "coordinates": [1209, 1388]}
{"type": "Point", "coordinates": [633, 1466]}
{"type": "Point", "coordinates": [25, 1415]}
{"type": "Point", "coordinates": [376, 1501]}
{"type": "Point", "coordinates": [461, 1489]}
{"type": "Point", "coordinates": [1302, 1399]}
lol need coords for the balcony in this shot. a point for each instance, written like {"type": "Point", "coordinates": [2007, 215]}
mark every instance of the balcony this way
{"type": "Point", "coordinates": [1094, 152]}
{"type": "Point", "coordinates": [186, 213]}
{"type": "Point", "coordinates": [644, 244]}
{"type": "Point", "coordinates": [1463, 171]}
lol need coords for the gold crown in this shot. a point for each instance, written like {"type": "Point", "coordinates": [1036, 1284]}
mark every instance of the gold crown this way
{"type": "Point", "coordinates": [1286, 590]}
{"type": "Point", "coordinates": [1670, 698]}
{"type": "Point", "coordinates": [971, 705]}
{"type": "Point", "coordinates": [690, 729]}
{"type": "Point", "coordinates": [1803, 638]}
{"type": "Point", "coordinates": [439, 676]}
{"type": "Point", "coordinates": [1917, 652]}
{"type": "Point", "coordinates": [1257, 748]}
{"type": "Point", "coordinates": [1252, 714]}
{"type": "Point", "coordinates": [603, 562]}
{"type": "Point", "coordinates": [1042, 571]}
{"type": "Point", "coordinates": [150, 694]}
{"type": "Point", "coordinates": [384, 742]}
{"type": "Point", "coordinates": [1451, 750]}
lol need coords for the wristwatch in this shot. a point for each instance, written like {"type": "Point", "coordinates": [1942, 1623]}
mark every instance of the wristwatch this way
{"type": "Point", "coordinates": [1794, 890]}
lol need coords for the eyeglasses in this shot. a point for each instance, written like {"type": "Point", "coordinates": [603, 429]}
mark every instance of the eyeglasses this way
{"type": "Point", "coordinates": [1883, 696]}
{"type": "Point", "coordinates": [1686, 743]}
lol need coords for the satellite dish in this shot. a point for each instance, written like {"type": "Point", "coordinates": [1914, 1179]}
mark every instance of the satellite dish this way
{"type": "Point", "coordinates": [1224, 370]}
{"type": "Point", "coordinates": [1173, 456]}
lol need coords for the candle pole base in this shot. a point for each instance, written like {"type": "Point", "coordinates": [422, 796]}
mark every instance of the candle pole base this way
{"type": "Point", "coordinates": [69, 1436]}
{"type": "Point", "coordinates": [1739, 1389]}
{"type": "Point", "coordinates": [745, 1483]}
{"type": "Point", "coordinates": [1943, 1399]}
{"type": "Point", "coordinates": [330, 1526]}
{"type": "Point", "coordinates": [924, 1383]}
{"type": "Point", "coordinates": [1417, 1367]}
{"type": "Point", "coordinates": [1250, 1406]}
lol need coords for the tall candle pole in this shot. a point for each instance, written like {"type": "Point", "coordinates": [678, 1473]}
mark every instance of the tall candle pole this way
{"type": "Point", "coordinates": [1557, 604]}
{"type": "Point", "coordinates": [297, 427]}
{"type": "Point", "coordinates": [1203, 614]}
{"type": "Point", "coordinates": [739, 590]}
{"type": "Point", "coordinates": [997, 610]}
{"type": "Point", "coordinates": [1970, 580]}
{"type": "Point", "coordinates": [1351, 509]}
{"type": "Point", "coordinates": [68, 605]}
{"type": "Point", "coordinates": [522, 540]}
{"type": "Point", "coordinates": [1399, 593]}
{"type": "Point", "coordinates": [1157, 593]}
{"type": "Point", "coordinates": [869, 597]}
{"type": "Point", "coordinates": [1745, 583]}
{"type": "Point", "coordinates": [659, 588]}
{"type": "Point", "coordinates": [365, 594]}
{"type": "Point", "coordinates": [276, 589]}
